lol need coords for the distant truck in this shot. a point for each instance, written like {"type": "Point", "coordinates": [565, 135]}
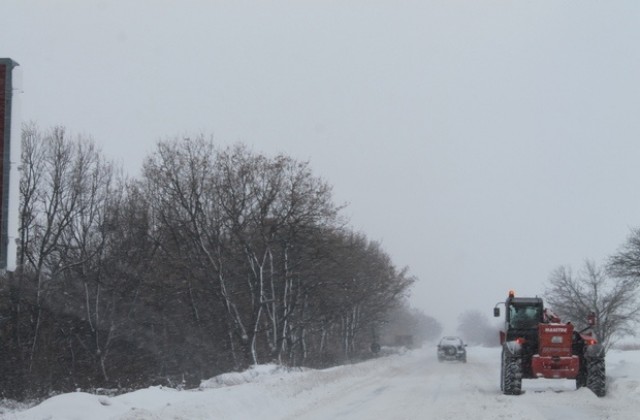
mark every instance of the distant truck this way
{"type": "Point", "coordinates": [536, 344]}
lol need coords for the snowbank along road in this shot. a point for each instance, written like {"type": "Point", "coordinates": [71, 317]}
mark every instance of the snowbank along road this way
{"type": "Point", "coordinates": [412, 385]}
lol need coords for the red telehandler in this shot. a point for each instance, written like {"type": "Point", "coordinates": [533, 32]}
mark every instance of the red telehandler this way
{"type": "Point", "coordinates": [536, 344]}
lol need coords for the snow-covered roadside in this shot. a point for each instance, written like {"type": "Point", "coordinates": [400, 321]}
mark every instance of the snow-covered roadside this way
{"type": "Point", "coordinates": [402, 386]}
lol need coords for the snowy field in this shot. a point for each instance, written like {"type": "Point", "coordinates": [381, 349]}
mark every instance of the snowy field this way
{"type": "Point", "coordinates": [412, 385]}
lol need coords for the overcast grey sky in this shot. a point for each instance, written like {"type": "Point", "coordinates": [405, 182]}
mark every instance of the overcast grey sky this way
{"type": "Point", "coordinates": [483, 143]}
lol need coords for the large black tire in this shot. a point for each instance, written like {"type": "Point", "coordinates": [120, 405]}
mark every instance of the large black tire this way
{"type": "Point", "coordinates": [596, 376]}
{"type": "Point", "coordinates": [511, 381]}
{"type": "Point", "coordinates": [581, 379]}
{"type": "Point", "coordinates": [502, 372]}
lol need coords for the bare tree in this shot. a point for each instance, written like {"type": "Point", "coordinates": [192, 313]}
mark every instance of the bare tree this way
{"type": "Point", "coordinates": [407, 321]}
{"type": "Point", "coordinates": [574, 297]}
{"type": "Point", "coordinates": [626, 262]}
{"type": "Point", "coordinates": [214, 259]}
{"type": "Point", "coordinates": [64, 191]}
{"type": "Point", "coordinates": [82, 254]}
{"type": "Point", "coordinates": [356, 287]}
{"type": "Point", "coordinates": [240, 219]}
{"type": "Point", "coordinates": [50, 196]}
{"type": "Point", "coordinates": [191, 233]}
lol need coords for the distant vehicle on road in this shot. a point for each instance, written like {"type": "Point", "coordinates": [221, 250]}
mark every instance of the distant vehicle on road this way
{"type": "Point", "coordinates": [452, 348]}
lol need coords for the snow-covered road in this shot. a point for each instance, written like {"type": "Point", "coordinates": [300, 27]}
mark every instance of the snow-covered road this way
{"type": "Point", "coordinates": [413, 385]}
{"type": "Point", "coordinates": [417, 386]}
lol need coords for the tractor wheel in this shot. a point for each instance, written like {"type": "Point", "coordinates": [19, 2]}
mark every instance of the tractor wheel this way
{"type": "Point", "coordinates": [502, 373]}
{"type": "Point", "coordinates": [511, 375]}
{"type": "Point", "coordinates": [596, 377]}
{"type": "Point", "coordinates": [581, 379]}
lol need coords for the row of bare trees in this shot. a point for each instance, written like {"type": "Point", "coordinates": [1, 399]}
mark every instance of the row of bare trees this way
{"type": "Point", "coordinates": [610, 291]}
{"type": "Point", "coordinates": [214, 259]}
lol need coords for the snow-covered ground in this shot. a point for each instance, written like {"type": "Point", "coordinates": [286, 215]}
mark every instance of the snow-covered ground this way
{"type": "Point", "coordinates": [409, 385]}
